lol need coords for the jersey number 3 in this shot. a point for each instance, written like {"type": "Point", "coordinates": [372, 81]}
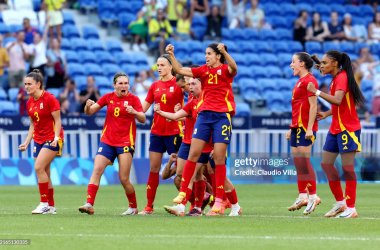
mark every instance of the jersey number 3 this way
{"type": "Point", "coordinates": [36, 115]}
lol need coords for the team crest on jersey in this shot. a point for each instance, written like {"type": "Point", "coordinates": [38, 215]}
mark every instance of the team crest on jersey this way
{"type": "Point", "coordinates": [125, 103]}
{"type": "Point", "coordinates": [100, 149]}
{"type": "Point", "coordinates": [41, 105]}
{"type": "Point", "coordinates": [219, 72]}
{"type": "Point", "coordinates": [171, 89]}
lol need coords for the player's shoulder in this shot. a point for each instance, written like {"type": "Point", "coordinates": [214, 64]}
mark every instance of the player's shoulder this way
{"type": "Point", "coordinates": [342, 76]}
{"type": "Point", "coordinates": [311, 78]}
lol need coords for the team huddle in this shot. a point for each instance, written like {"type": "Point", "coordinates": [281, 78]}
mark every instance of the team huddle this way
{"type": "Point", "coordinates": [196, 135]}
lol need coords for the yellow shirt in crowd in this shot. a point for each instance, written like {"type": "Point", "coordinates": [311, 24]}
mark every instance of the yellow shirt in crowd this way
{"type": "Point", "coordinates": [172, 15]}
{"type": "Point", "coordinates": [54, 3]}
{"type": "Point", "coordinates": [3, 58]}
{"type": "Point", "coordinates": [155, 26]}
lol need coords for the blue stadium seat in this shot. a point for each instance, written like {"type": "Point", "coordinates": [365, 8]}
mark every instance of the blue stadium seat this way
{"type": "Point", "coordinates": [231, 46]}
{"type": "Point", "coordinates": [122, 58]}
{"type": "Point", "coordinates": [140, 59]}
{"type": "Point", "coordinates": [199, 21]}
{"type": "Point", "coordinates": [71, 57]}
{"type": "Point", "coordinates": [87, 57]}
{"type": "Point", "coordinates": [83, 3]}
{"type": "Point", "coordinates": [249, 89]}
{"type": "Point", "coordinates": [294, 46]}
{"type": "Point", "coordinates": [330, 46]}
{"type": "Point", "coordinates": [242, 109]}
{"type": "Point", "coordinates": [268, 35]}
{"type": "Point", "coordinates": [8, 39]}
{"type": "Point", "coordinates": [124, 20]}
{"type": "Point", "coordinates": [285, 59]}
{"type": "Point", "coordinates": [353, 10]}
{"type": "Point", "coordinates": [347, 47]}
{"type": "Point", "coordinates": [130, 69]}
{"type": "Point", "coordinates": [261, 47]}
{"type": "Point", "coordinates": [359, 45]}
{"type": "Point", "coordinates": [353, 57]}
{"type": "Point", "coordinates": [106, 10]}
{"type": "Point", "coordinates": [65, 44]}
{"type": "Point", "coordinates": [239, 59]}
{"type": "Point", "coordinates": [278, 23]}
{"type": "Point", "coordinates": [3, 95]}
{"type": "Point", "coordinates": [81, 82]}
{"type": "Point", "coordinates": [198, 58]}
{"type": "Point", "coordinates": [68, 18]}
{"type": "Point", "coordinates": [279, 47]}
{"type": "Point", "coordinates": [366, 85]}
{"type": "Point", "coordinates": [181, 48]}
{"type": "Point", "coordinates": [258, 72]}
{"type": "Point", "coordinates": [195, 46]}
{"type": "Point", "coordinates": [4, 28]}
{"type": "Point", "coordinates": [246, 47]}
{"type": "Point", "coordinates": [54, 91]}
{"type": "Point", "coordinates": [266, 85]}
{"type": "Point", "coordinates": [271, 9]}
{"type": "Point", "coordinates": [288, 72]}
{"type": "Point", "coordinates": [226, 34]}
{"type": "Point", "coordinates": [376, 58]}
{"type": "Point", "coordinates": [273, 72]}
{"type": "Point", "coordinates": [102, 92]}
{"type": "Point", "coordinates": [288, 9]}
{"type": "Point", "coordinates": [14, 28]}
{"type": "Point", "coordinates": [268, 59]}
{"type": "Point", "coordinates": [70, 31]}
{"type": "Point", "coordinates": [313, 47]}
{"type": "Point", "coordinates": [12, 94]}
{"type": "Point", "coordinates": [199, 32]}
{"type": "Point", "coordinates": [109, 70]}
{"type": "Point", "coordinates": [103, 111]}
{"type": "Point", "coordinates": [122, 6]}
{"type": "Point", "coordinates": [304, 6]}
{"type": "Point", "coordinates": [114, 46]}
{"type": "Point", "coordinates": [90, 32]}
{"type": "Point", "coordinates": [75, 69]}
{"type": "Point", "coordinates": [283, 85]}
{"type": "Point", "coordinates": [284, 34]}
{"type": "Point", "coordinates": [237, 34]}
{"type": "Point", "coordinates": [103, 82]}
{"type": "Point", "coordinates": [252, 59]}
{"type": "Point", "coordinates": [251, 34]}
{"type": "Point", "coordinates": [93, 69]}
{"type": "Point", "coordinates": [338, 8]}
{"type": "Point", "coordinates": [78, 44]}
{"type": "Point", "coordinates": [7, 108]}
{"type": "Point", "coordinates": [275, 101]}
{"type": "Point", "coordinates": [322, 9]}
{"type": "Point", "coordinates": [95, 45]}
{"type": "Point", "coordinates": [244, 72]}
{"type": "Point", "coordinates": [104, 57]}
{"type": "Point", "coordinates": [287, 97]}
{"type": "Point", "coordinates": [136, 6]}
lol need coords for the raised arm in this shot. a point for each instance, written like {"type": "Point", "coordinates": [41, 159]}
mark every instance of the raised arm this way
{"type": "Point", "coordinates": [232, 67]}
{"type": "Point", "coordinates": [91, 107]}
{"type": "Point", "coordinates": [176, 65]}
{"type": "Point", "coordinates": [223, 10]}
{"type": "Point", "coordinates": [44, 36]}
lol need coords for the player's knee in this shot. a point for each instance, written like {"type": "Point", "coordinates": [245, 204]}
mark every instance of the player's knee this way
{"type": "Point", "coordinates": [219, 160]}
{"type": "Point", "coordinates": [177, 181]}
{"type": "Point", "coordinates": [125, 180]}
{"type": "Point", "coordinates": [39, 168]}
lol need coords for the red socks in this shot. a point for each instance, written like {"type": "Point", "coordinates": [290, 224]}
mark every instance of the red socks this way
{"type": "Point", "coordinates": [199, 192]}
{"type": "Point", "coordinates": [220, 177]}
{"type": "Point", "coordinates": [334, 181]}
{"type": "Point", "coordinates": [44, 191]}
{"type": "Point", "coordinates": [351, 182]}
{"type": "Point", "coordinates": [308, 173]}
{"type": "Point", "coordinates": [232, 197]}
{"type": "Point", "coordinates": [188, 172]}
{"type": "Point", "coordinates": [91, 193]}
{"type": "Point", "coordinates": [132, 200]}
{"type": "Point", "coordinates": [153, 181]}
{"type": "Point", "coordinates": [302, 184]}
{"type": "Point", "coordinates": [51, 197]}
{"type": "Point", "coordinates": [188, 194]}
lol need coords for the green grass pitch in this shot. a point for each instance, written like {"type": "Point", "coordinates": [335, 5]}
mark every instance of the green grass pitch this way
{"type": "Point", "coordinates": [265, 223]}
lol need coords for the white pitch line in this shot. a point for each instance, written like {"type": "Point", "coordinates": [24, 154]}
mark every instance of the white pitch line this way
{"type": "Point", "coordinates": [194, 236]}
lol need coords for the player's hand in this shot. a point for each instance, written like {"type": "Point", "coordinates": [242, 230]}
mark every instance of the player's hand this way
{"type": "Point", "coordinates": [23, 147]}
{"type": "Point", "coordinates": [131, 110]}
{"type": "Point", "coordinates": [54, 144]}
{"type": "Point", "coordinates": [173, 157]}
{"type": "Point", "coordinates": [170, 49]}
{"type": "Point", "coordinates": [288, 135]}
{"type": "Point", "coordinates": [212, 154]}
{"type": "Point", "coordinates": [157, 107]}
{"type": "Point", "coordinates": [221, 48]}
{"type": "Point", "coordinates": [183, 129]}
{"type": "Point", "coordinates": [177, 107]}
{"type": "Point", "coordinates": [321, 116]}
{"type": "Point", "coordinates": [89, 103]}
{"type": "Point", "coordinates": [168, 120]}
{"type": "Point", "coordinates": [311, 88]}
{"type": "Point", "coordinates": [309, 134]}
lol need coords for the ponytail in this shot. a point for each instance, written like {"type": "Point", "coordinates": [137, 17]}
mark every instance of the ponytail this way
{"type": "Point", "coordinates": [344, 62]}
{"type": "Point", "coordinates": [308, 60]}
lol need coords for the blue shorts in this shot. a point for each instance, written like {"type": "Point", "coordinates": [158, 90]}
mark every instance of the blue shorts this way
{"type": "Point", "coordinates": [111, 152]}
{"type": "Point", "coordinates": [213, 123]}
{"type": "Point", "coordinates": [212, 162]}
{"type": "Point", "coordinates": [343, 142]}
{"type": "Point", "coordinates": [162, 144]}
{"type": "Point", "coordinates": [184, 154]}
{"type": "Point", "coordinates": [37, 147]}
{"type": "Point", "coordinates": [297, 138]}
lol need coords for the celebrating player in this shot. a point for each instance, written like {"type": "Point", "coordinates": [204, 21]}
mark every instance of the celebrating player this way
{"type": "Point", "coordinates": [118, 139]}
{"type": "Point", "coordinates": [45, 129]}
{"type": "Point", "coordinates": [344, 134]}
{"type": "Point", "coordinates": [164, 134]}
{"type": "Point", "coordinates": [303, 130]}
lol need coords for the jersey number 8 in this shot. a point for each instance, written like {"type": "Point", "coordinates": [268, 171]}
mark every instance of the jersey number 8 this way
{"type": "Point", "coordinates": [117, 112]}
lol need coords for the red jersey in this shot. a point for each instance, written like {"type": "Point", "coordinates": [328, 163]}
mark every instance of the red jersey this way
{"type": "Point", "coordinates": [191, 109]}
{"type": "Point", "coordinates": [40, 111]}
{"type": "Point", "coordinates": [120, 127]}
{"type": "Point", "coordinates": [167, 94]}
{"type": "Point", "coordinates": [344, 117]}
{"type": "Point", "coordinates": [217, 92]}
{"type": "Point", "coordinates": [300, 103]}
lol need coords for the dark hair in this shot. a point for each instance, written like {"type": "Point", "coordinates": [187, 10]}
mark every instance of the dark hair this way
{"type": "Point", "coordinates": [119, 74]}
{"type": "Point", "coordinates": [344, 62]}
{"type": "Point", "coordinates": [301, 12]}
{"type": "Point", "coordinates": [214, 46]}
{"type": "Point", "coordinates": [72, 81]}
{"type": "Point", "coordinates": [320, 20]}
{"type": "Point", "coordinates": [374, 17]}
{"type": "Point", "coordinates": [307, 59]}
{"type": "Point", "coordinates": [167, 57]}
{"type": "Point", "coordinates": [37, 76]}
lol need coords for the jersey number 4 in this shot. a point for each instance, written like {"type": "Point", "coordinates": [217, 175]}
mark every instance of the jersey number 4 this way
{"type": "Point", "coordinates": [163, 98]}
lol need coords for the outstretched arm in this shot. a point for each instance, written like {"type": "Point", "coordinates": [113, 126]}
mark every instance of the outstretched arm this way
{"type": "Point", "coordinates": [171, 116]}
{"type": "Point", "coordinates": [232, 67]}
{"type": "Point", "coordinates": [176, 65]}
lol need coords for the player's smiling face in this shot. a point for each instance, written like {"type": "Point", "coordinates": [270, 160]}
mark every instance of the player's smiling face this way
{"type": "Point", "coordinates": [195, 87]}
{"type": "Point", "coordinates": [121, 86]}
{"type": "Point", "coordinates": [296, 65]}
{"type": "Point", "coordinates": [328, 65]}
{"type": "Point", "coordinates": [163, 67]}
{"type": "Point", "coordinates": [31, 85]}
{"type": "Point", "coordinates": [211, 57]}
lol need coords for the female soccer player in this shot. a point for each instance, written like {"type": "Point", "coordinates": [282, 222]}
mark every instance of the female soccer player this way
{"type": "Point", "coordinates": [303, 130]}
{"type": "Point", "coordinates": [118, 139]}
{"type": "Point", "coordinates": [344, 134]}
{"type": "Point", "coordinates": [164, 134]}
{"type": "Point", "coordinates": [45, 129]}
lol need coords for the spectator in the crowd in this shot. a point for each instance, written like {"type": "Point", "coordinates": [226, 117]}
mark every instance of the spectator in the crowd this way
{"type": "Point", "coordinates": [175, 8]}
{"type": "Point", "coordinates": [184, 22]}
{"type": "Point", "coordinates": [214, 22]}
{"type": "Point", "coordinates": [139, 29]}
{"type": "Point", "coordinates": [235, 13]}
{"type": "Point", "coordinates": [318, 30]}
{"type": "Point", "coordinates": [56, 65]}
{"type": "Point", "coordinates": [357, 73]}
{"type": "Point", "coordinates": [300, 25]}
{"type": "Point", "coordinates": [353, 33]}
{"type": "Point", "coordinates": [37, 51]}
{"type": "Point", "coordinates": [4, 62]}
{"type": "Point", "coordinates": [4, 5]}
{"type": "Point", "coordinates": [29, 31]}
{"type": "Point", "coordinates": [18, 55]}
{"type": "Point", "coordinates": [159, 4]}
{"type": "Point", "coordinates": [22, 98]}
{"type": "Point", "coordinates": [70, 92]}
{"type": "Point", "coordinates": [141, 84]}
{"type": "Point", "coordinates": [64, 103]}
{"type": "Point", "coordinates": [376, 97]}
{"type": "Point", "coordinates": [323, 105]}
{"type": "Point", "coordinates": [254, 17]}
{"type": "Point", "coordinates": [54, 11]}
{"type": "Point", "coordinates": [160, 29]}
{"type": "Point", "coordinates": [200, 7]}
{"type": "Point", "coordinates": [374, 29]}
{"type": "Point", "coordinates": [335, 28]}
{"type": "Point", "coordinates": [90, 93]}
{"type": "Point", "coordinates": [364, 61]}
